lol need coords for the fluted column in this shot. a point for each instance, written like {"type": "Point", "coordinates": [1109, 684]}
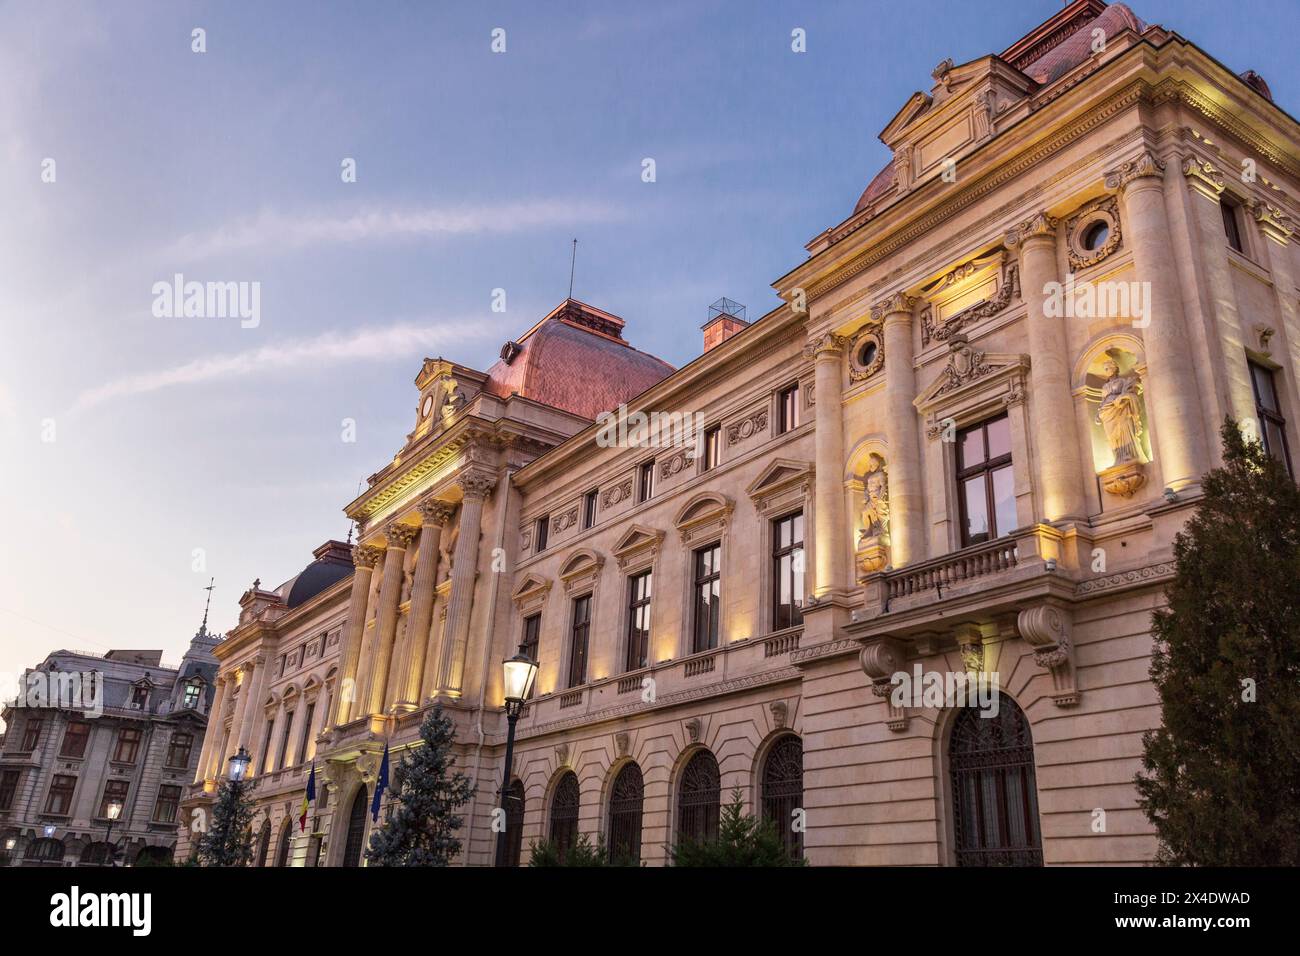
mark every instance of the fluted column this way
{"type": "Point", "coordinates": [346, 694]}
{"type": "Point", "coordinates": [830, 549]}
{"type": "Point", "coordinates": [903, 468]}
{"type": "Point", "coordinates": [1056, 435]}
{"type": "Point", "coordinates": [1173, 400]}
{"type": "Point", "coordinates": [277, 722]}
{"type": "Point", "coordinates": [464, 570]}
{"type": "Point", "coordinates": [253, 705]}
{"type": "Point", "coordinates": [390, 593]}
{"type": "Point", "coordinates": [409, 669]}
{"type": "Point", "coordinates": [212, 736]}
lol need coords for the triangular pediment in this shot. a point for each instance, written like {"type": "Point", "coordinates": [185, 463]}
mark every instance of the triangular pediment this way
{"type": "Point", "coordinates": [969, 368]}
{"type": "Point", "coordinates": [530, 585]}
{"type": "Point", "coordinates": [780, 474]}
{"type": "Point", "coordinates": [636, 538]}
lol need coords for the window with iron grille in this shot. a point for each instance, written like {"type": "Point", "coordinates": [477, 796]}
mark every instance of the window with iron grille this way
{"type": "Point", "coordinates": [589, 502]}
{"type": "Point", "coordinates": [626, 802]}
{"type": "Point", "coordinates": [75, 738]}
{"type": "Point", "coordinates": [8, 787]}
{"type": "Point", "coordinates": [564, 814]}
{"type": "Point", "coordinates": [995, 801]}
{"type": "Point", "coordinates": [788, 411]}
{"type": "Point", "coordinates": [699, 798]}
{"type": "Point", "coordinates": [167, 804]}
{"type": "Point", "coordinates": [114, 792]}
{"type": "Point", "coordinates": [638, 621]}
{"type": "Point", "coordinates": [708, 597]}
{"type": "Point", "coordinates": [783, 790]}
{"type": "Point", "coordinates": [179, 749]}
{"type": "Point", "coordinates": [787, 571]}
{"type": "Point", "coordinates": [1272, 426]}
{"type": "Point", "coordinates": [985, 482]}
{"type": "Point", "coordinates": [510, 843]}
{"type": "Point", "coordinates": [581, 634]}
{"type": "Point", "coordinates": [60, 798]}
{"type": "Point", "coordinates": [128, 745]}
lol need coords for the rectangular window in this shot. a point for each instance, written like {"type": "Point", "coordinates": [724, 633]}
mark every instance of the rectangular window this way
{"type": "Point", "coordinates": [1272, 426]}
{"type": "Point", "coordinates": [75, 738]}
{"type": "Point", "coordinates": [32, 733]}
{"type": "Point", "coordinates": [192, 692]}
{"type": "Point", "coordinates": [128, 745]}
{"type": "Point", "coordinates": [638, 621]}
{"type": "Point", "coordinates": [139, 698]}
{"type": "Point", "coordinates": [179, 749]}
{"type": "Point", "coordinates": [712, 447]}
{"type": "Point", "coordinates": [708, 597]}
{"type": "Point", "coordinates": [579, 639]}
{"type": "Point", "coordinates": [541, 530]}
{"type": "Point", "coordinates": [589, 501]}
{"type": "Point", "coordinates": [8, 788]}
{"type": "Point", "coordinates": [267, 756]}
{"type": "Point", "coordinates": [284, 739]}
{"type": "Point", "coordinates": [985, 482]}
{"type": "Point", "coordinates": [114, 792]}
{"type": "Point", "coordinates": [60, 798]}
{"type": "Point", "coordinates": [788, 413]}
{"type": "Point", "coordinates": [167, 805]}
{"type": "Point", "coordinates": [306, 732]}
{"type": "Point", "coordinates": [645, 481]}
{"type": "Point", "coordinates": [787, 571]}
{"type": "Point", "coordinates": [1230, 227]}
{"type": "Point", "coordinates": [531, 641]}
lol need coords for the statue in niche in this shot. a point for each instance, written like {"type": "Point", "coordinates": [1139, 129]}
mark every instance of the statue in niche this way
{"type": "Point", "coordinates": [452, 400]}
{"type": "Point", "coordinates": [1120, 414]}
{"type": "Point", "coordinates": [875, 506]}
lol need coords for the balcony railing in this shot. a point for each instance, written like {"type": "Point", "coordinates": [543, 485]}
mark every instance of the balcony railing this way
{"type": "Point", "coordinates": [953, 569]}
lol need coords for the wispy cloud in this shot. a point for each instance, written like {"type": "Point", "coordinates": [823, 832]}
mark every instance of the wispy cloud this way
{"type": "Point", "coordinates": [275, 229]}
{"type": "Point", "coordinates": [331, 348]}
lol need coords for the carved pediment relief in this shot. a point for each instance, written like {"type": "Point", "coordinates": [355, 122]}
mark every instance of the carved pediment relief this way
{"type": "Point", "coordinates": [972, 378]}
{"type": "Point", "coordinates": [638, 545]}
{"type": "Point", "coordinates": [977, 289]}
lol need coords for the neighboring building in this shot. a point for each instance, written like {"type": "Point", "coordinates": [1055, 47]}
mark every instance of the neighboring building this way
{"type": "Point", "coordinates": [964, 445]}
{"type": "Point", "coordinates": [127, 741]}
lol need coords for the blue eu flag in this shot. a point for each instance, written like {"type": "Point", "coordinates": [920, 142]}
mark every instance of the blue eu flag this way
{"type": "Point", "coordinates": [380, 786]}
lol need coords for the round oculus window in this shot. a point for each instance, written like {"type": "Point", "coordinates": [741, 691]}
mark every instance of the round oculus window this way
{"type": "Point", "coordinates": [427, 406]}
{"type": "Point", "coordinates": [1095, 236]}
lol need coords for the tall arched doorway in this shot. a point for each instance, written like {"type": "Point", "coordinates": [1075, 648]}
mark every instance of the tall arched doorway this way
{"type": "Point", "coordinates": [263, 844]}
{"type": "Point", "coordinates": [510, 843]}
{"type": "Point", "coordinates": [356, 841]}
{"type": "Point", "coordinates": [782, 790]}
{"type": "Point", "coordinates": [564, 814]}
{"type": "Point", "coordinates": [626, 802]}
{"type": "Point", "coordinates": [282, 846]}
{"type": "Point", "coordinates": [995, 798]}
{"type": "Point", "coordinates": [699, 798]}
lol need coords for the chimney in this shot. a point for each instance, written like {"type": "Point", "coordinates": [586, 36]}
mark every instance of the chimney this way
{"type": "Point", "coordinates": [726, 318]}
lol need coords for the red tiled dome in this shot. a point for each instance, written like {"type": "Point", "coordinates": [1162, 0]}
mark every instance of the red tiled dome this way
{"type": "Point", "coordinates": [576, 359]}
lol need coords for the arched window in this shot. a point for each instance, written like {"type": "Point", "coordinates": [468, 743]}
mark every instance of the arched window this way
{"type": "Point", "coordinates": [45, 851]}
{"type": "Point", "coordinates": [995, 803]}
{"type": "Point", "coordinates": [699, 795]}
{"type": "Point", "coordinates": [783, 790]}
{"type": "Point", "coordinates": [282, 846]}
{"type": "Point", "coordinates": [564, 814]}
{"type": "Point", "coordinates": [626, 799]}
{"type": "Point", "coordinates": [263, 844]}
{"type": "Point", "coordinates": [510, 843]}
{"type": "Point", "coordinates": [356, 841]}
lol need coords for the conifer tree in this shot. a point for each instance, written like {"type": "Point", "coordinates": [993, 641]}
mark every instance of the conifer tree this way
{"type": "Point", "coordinates": [742, 840]}
{"type": "Point", "coordinates": [229, 839]}
{"type": "Point", "coordinates": [1221, 779]}
{"type": "Point", "coordinates": [421, 829]}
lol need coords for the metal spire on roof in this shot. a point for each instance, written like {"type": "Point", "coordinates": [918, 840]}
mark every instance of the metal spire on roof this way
{"type": "Point", "coordinates": [208, 604]}
{"type": "Point", "coordinates": [573, 262]}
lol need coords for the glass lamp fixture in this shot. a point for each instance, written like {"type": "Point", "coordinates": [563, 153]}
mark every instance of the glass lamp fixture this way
{"type": "Point", "coordinates": [239, 765]}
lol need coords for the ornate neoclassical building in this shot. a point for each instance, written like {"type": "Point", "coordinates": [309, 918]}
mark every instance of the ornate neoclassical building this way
{"type": "Point", "coordinates": [963, 444]}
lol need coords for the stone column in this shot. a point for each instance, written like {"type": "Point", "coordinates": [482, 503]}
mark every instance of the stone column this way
{"type": "Point", "coordinates": [277, 722]}
{"type": "Point", "coordinates": [390, 593]}
{"type": "Point", "coordinates": [464, 571]}
{"type": "Point", "coordinates": [830, 550]}
{"type": "Point", "coordinates": [1173, 401]}
{"type": "Point", "coordinates": [903, 467]}
{"type": "Point", "coordinates": [253, 705]}
{"type": "Point", "coordinates": [346, 693]}
{"type": "Point", "coordinates": [1278, 230]}
{"type": "Point", "coordinates": [1056, 438]}
{"type": "Point", "coordinates": [212, 736]}
{"type": "Point", "coordinates": [318, 725]}
{"type": "Point", "coordinates": [291, 756]}
{"type": "Point", "coordinates": [410, 667]}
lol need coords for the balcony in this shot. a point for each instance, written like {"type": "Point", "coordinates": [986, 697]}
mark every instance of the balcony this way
{"type": "Point", "coordinates": [953, 570]}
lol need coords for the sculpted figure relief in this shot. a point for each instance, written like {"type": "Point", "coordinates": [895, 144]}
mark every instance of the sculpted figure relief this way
{"type": "Point", "coordinates": [1120, 415]}
{"type": "Point", "coordinates": [875, 507]}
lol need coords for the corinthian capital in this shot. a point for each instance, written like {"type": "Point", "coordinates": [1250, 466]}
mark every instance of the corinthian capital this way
{"type": "Point", "coordinates": [1277, 225]}
{"type": "Point", "coordinates": [435, 512]}
{"type": "Point", "coordinates": [1145, 166]}
{"type": "Point", "coordinates": [366, 556]}
{"type": "Point", "coordinates": [900, 303]}
{"type": "Point", "coordinates": [827, 344]}
{"type": "Point", "coordinates": [400, 535]}
{"type": "Point", "coordinates": [476, 485]}
{"type": "Point", "coordinates": [1040, 224]}
{"type": "Point", "coordinates": [1204, 175]}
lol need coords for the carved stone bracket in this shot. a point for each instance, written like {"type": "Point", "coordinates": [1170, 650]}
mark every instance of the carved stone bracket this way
{"type": "Point", "coordinates": [780, 713]}
{"type": "Point", "coordinates": [1046, 628]}
{"type": "Point", "coordinates": [881, 660]}
{"type": "Point", "coordinates": [1203, 176]}
{"type": "Point", "coordinates": [561, 755]}
{"type": "Point", "coordinates": [1275, 224]}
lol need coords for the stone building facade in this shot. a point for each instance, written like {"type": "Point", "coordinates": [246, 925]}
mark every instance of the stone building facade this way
{"type": "Point", "coordinates": [961, 447]}
{"type": "Point", "coordinates": [92, 732]}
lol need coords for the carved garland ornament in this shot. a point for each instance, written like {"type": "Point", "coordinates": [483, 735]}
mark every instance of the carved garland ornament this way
{"type": "Point", "coordinates": [616, 494]}
{"type": "Point", "coordinates": [1008, 288]}
{"type": "Point", "coordinates": [747, 427]}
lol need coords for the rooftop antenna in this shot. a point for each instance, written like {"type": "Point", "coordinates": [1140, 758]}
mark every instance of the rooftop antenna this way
{"type": "Point", "coordinates": [573, 262]}
{"type": "Point", "coordinates": [211, 585]}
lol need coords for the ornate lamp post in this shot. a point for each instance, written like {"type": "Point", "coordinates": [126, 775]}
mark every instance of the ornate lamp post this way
{"type": "Point", "coordinates": [520, 672]}
{"type": "Point", "coordinates": [114, 811]}
{"type": "Point", "coordinates": [238, 767]}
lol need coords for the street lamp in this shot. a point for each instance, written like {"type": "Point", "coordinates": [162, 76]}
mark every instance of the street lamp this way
{"type": "Point", "coordinates": [49, 830]}
{"type": "Point", "coordinates": [114, 811]}
{"type": "Point", "coordinates": [239, 765]}
{"type": "Point", "coordinates": [520, 672]}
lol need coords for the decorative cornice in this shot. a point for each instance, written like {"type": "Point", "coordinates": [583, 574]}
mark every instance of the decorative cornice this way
{"type": "Point", "coordinates": [1151, 574]}
{"type": "Point", "coordinates": [1145, 166]}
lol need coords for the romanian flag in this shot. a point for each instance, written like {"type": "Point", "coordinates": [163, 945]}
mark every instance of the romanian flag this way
{"type": "Point", "coordinates": [380, 786]}
{"type": "Point", "coordinates": [308, 798]}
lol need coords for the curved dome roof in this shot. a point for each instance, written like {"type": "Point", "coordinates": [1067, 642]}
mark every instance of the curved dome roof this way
{"type": "Point", "coordinates": [576, 359]}
{"type": "Point", "coordinates": [333, 563]}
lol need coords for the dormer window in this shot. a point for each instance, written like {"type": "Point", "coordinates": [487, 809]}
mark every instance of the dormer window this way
{"type": "Point", "coordinates": [139, 697]}
{"type": "Point", "coordinates": [192, 693]}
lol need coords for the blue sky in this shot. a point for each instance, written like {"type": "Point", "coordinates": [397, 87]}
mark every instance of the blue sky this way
{"type": "Point", "coordinates": [474, 172]}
